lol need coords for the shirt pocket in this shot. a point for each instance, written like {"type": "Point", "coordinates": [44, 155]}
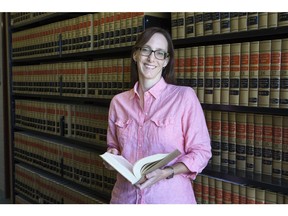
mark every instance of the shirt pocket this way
{"type": "Point", "coordinates": [162, 130]}
{"type": "Point", "coordinates": [123, 130]}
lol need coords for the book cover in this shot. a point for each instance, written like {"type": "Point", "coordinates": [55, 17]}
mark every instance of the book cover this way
{"type": "Point", "coordinates": [263, 20]}
{"type": "Point", "coordinates": [225, 74]}
{"type": "Point", "coordinates": [217, 74]}
{"type": "Point", "coordinates": [208, 74]}
{"type": "Point", "coordinates": [205, 189]}
{"type": "Point", "coordinates": [207, 23]}
{"type": "Point", "coordinates": [234, 22]}
{"type": "Point", "coordinates": [200, 75]}
{"type": "Point", "coordinates": [218, 191]}
{"type": "Point", "coordinates": [242, 21]}
{"type": "Point", "coordinates": [241, 140]}
{"type": "Point", "coordinates": [283, 103]}
{"type": "Point", "coordinates": [253, 73]}
{"type": "Point", "coordinates": [258, 140]}
{"type": "Point", "coordinates": [275, 73]}
{"type": "Point", "coordinates": [134, 172]}
{"type": "Point", "coordinates": [189, 24]}
{"type": "Point", "coordinates": [264, 73]}
{"type": "Point", "coordinates": [216, 23]}
{"type": "Point", "coordinates": [267, 145]}
{"type": "Point", "coordinates": [199, 24]}
{"type": "Point", "coordinates": [244, 74]}
{"type": "Point", "coordinates": [181, 25]}
{"type": "Point", "coordinates": [234, 74]}
{"type": "Point", "coordinates": [232, 140]}
{"type": "Point", "coordinates": [277, 142]}
{"type": "Point", "coordinates": [250, 143]}
{"type": "Point", "coordinates": [272, 19]}
{"type": "Point", "coordinates": [224, 138]}
{"type": "Point", "coordinates": [216, 138]}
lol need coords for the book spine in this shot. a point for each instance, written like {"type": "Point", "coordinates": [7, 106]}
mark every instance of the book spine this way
{"type": "Point", "coordinates": [174, 26]}
{"type": "Point", "coordinates": [224, 22]}
{"type": "Point", "coordinates": [277, 140]}
{"type": "Point", "coordinates": [212, 198]}
{"type": "Point", "coordinates": [253, 73]}
{"type": "Point", "coordinates": [216, 23]}
{"type": "Point", "coordinates": [250, 142]}
{"type": "Point", "coordinates": [244, 74]}
{"type": "Point", "coordinates": [251, 195]}
{"type": "Point", "coordinates": [199, 24]}
{"type": "Point", "coordinates": [284, 75]}
{"type": "Point", "coordinates": [267, 145]}
{"type": "Point", "coordinates": [234, 22]}
{"type": "Point", "coordinates": [270, 197]}
{"type": "Point", "coordinates": [224, 138]}
{"type": "Point", "coordinates": [235, 194]}
{"type": "Point", "coordinates": [282, 19]}
{"type": "Point", "coordinates": [190, 24]}
{"type": "Point", "coordinates": [208, 74]}
{"type": "Point", "coordinates": [232, 140]}
{"type": "Point", "coordinates": [263, 20]}
{"type": "Point", "coordinates": [207, 23]}
{"type": "Point", "coordinates": [234, 74]}
{"type": "Point", "coordinates": [252, 21]}
{"type": "Point", "coordinates": [242, 23]}
{"type": "Point", "coordinates": [218, 191]}
{"type": "Point", "coordinates": [258, 129]}
{"type": "Point", "coordinates": [217, 74]}
{"type": "Point", "coordinates": [181, 66]}
{"type": "Point", "coordinates": [194, 69]}
{"type": "Point", "coordinates": [205, 189]}
{"type": "Point", "coordinates": [285, 149]}
{"type": "Point", "coordinates": [227, 193]}
{"type": "Point", "coordinates": [241, 140]}
{"type": "Point", "coordinates": [272, 19]}
{"type": "Point", "coordinates": [187, 66]}
{"type": "Point", "coordinates": [260, 196]}
{"type": "Point", "coordinates": [197, 186]}
{"type": "Point", "coordinates": [275, 73]}
{"type": "Point", "coordinates": [242, 194]}
{"type": "Point", "coordinates": [180, 25]}
{"type": "Point", "coordinates": [216, 138]}
{"type": "Point", "coordinates": [200, 76]}
{"type": "Point", "coordinates": [225, 74]}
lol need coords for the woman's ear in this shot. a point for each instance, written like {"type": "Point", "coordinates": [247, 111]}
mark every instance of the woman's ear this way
{"type": "Point", "coordinates": [135, 56]}
{"type": "Point", "coordinates": [166, 62]}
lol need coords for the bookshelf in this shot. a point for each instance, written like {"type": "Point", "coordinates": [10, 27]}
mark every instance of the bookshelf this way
{"type": "Point", "coordinates": [207, 37]}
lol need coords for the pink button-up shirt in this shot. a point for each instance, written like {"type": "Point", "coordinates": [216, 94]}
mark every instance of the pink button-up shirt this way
{"type": "Point", "coordinates": [172, 118]}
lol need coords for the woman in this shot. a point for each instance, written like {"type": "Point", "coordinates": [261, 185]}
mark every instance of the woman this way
{"type": "Point", "coordinates": [157, 117]}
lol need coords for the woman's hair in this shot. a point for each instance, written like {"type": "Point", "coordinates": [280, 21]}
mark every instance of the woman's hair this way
{"type": "Point", "coordinates": [168, 71]}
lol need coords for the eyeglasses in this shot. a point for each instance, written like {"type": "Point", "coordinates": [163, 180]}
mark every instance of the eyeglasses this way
{"type": "Point", "coordinates": [159, 54]}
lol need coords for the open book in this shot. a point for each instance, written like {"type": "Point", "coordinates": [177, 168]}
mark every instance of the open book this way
{"type": "Point", "coordinates": [134, 173]}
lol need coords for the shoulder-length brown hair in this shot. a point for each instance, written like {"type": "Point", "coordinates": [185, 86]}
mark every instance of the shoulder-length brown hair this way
{"type": "Point", "coordinates": [168, 71]}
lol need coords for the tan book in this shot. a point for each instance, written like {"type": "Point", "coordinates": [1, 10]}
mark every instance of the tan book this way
{"type": "Point", "coordinates": [126, 74]}
{"type": "Point", "coordinates": [208, 74]}
{"type": "Point", "coordinates": [128, 32]}
{"type": "Point", "coordinates": [212, 189]}
{"type": "Point", "coordinates": [242, 194]}
{"type": "Point", "coordinates": [187, 66]}
{"type": "Point", "coordinates": [181, 25]}
{"type": "Point", "coordinates": [250, 143]}
{"type": "Point", "coordinates": [260, 196]}
{"type": "Point", "coordinates": [275, 73]}
{"type": "Point", "coordinates": [234, 22]}
{"type": "Point", "coordinates": [267, 145]}
{"type": "Point", "coordinates": [216, 138]}
{"type": "Point", "coordinates": [252, 21]}
{"type": "Point", "coordinates": [194, 68]}
{"type": "Point", "coordinates": [207, 23]}
{"type": "Point", "coordinates": [208, 117]}
{"type": "Point", "coordinates": [241, 140]}
{"type": "Point", "coordinates": [134, 28]}
{"type": "Point", "coordinates": [112, 29]}
{"type": "Point", "coordinates": [244, 74]}
{"type": "Point", "coordinates": [242, 21]}
{"type": "Point", "coordinates": [284, 75]}
{"type": "Point", "coordinates": [251, 195]}
{"type": "Point", "coordinates": [224, 22]}
{"type": "Point", "coordinates": [218, 191]}
{"type": "Point", "coordinates": [199, 24]}
{"type": "Point", "coordinates": [123, 27]}
{"type": "Point", "coordinates": [234, 87]}
{"type": "Point", "coordinates": [227, 192]}
{"type": "Point", "coordinates": [101, 30]}
{"type": "Point", "coordinates": [117, 28]}
{"type": "Point", "coordinates": [277, 142]}
{"type": "Point", "coordinates": [272, 19]}
{"type": "Point", "coordinates": [224, 138]}
{"type": "Point", "coordinates": [197, 187]}
{"type": "Point", "coordinates": [217, 74]}
{"type": "Point", "coordinates": [235, 193]}
{"type": "Point", "coordinates": [205, 189]}
{"type": "Point", "coordinates": [285, 148]}
{"type": "Point", "coordinates": [174, 26]}
{"type": "Point", "coordinates": [253, 73]}
{"type": "Point", "coordinates": [114, 77]}
{"type": "Point", "coordinates": [282, 19]}
{"type": "Point", "coordinates": [270, 197]}
{"type": "Point", "coordinates": [258, 129]}
{"type": "Point", "coordinates": [225, 74]}
{"type": "Point", "coordinates": [280, 198]}
{"type": "Point", "coordinates": [119, 75]}
{"type": "Point", "coordinates": [263, 20]}
{"type": "Point", "coordinates": [216, 23]}
{"type": "Point", "coordinates": [181, 66]}
{"type": "Point", "coordinates": [189, 24]}
{"type": "Point", "coordinates": [200, 75]}
{"type": "Point", "coordinates": [95, 30]}
{"type": "Point", "coordinates": [232, 140]}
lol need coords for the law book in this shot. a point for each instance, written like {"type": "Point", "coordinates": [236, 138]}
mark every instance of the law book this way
{"type": "Point", "coordinates": [189, 24]}
{"type": "Point", "coordinates": [234, 22]}
{"type": "Point", "coordinates": [277, 139]}
{"type": "Point", "coordinates": [134, 172]}
{"type": "Point", "coordinates": [207, 23]}
{"type": "Point", "coordinates": [111, 29]}
{"type": "Point", "coordinates": [241, 140]}
{"type": "Point", "coordinates": [251, 195]}
{"type": "Point", "coordinates": [264, 73]}
{"type": "Point", "coordinates": [216, 138]}
{"type": "Point", "coordinates": [212, 190]}
{"type": "Point", "coordinates": [235, 54]}
{"type": "Point", "coordinates": [128, 35]}
{"type": "Point", "coordinates": [224, 138]}
{"type": "Point", "coordinates": [242, 194]}
{"type": "Point", "coordinates": [205, 189]}
{"type": "Point", "coordinates": [282, 19]}
{"type": "Point", "coordinates": [174, 26]}
{"type": "Point", "coordinates": [235, 193]}
{"type": "Point", "coordinates": [258, 140]}
{"type": "Point", "coordinates": [225, 74]}
{"type": "Point", "coordinates": [200, 75]}
{"type": "Point", "coordinates": [199, 24]}
{"type": "Point", "coordinates": [208, 74]}
{"type": "Point", "coordinates": [263, 20]}
{"type": "Point", "coordinates": [270, 197]}
{"type": "Point", "coordinates": [224, 22]}
{"type": "Point", "coordinates": [250, 143]}
{"type": "Point", "coordinates": [181, 25]}
{"type": "Point", "coordinates": [218, 191]}
{"type": "Point", "coordinates": [197, 187]}
{"type": "Point", "coordinates": [194, 68]}
{"type": "Point", "coordinates": [227, 192]}
{"type": "Point", "coordinates": [217, 74]}
{"type": "Point", "coordinates": [253, 73]}
{"type": "Point", "coordinates": [283, 103]}
{"type": "Point", "coordinates": [275, 73]}
{"type": "Point", "coordinates": [242, 21]}
{"type": "Point", "coordinates": [232, 140]}
{"type": "Point", "coordinates": [181, 66]}
{"type": "Point", "coordinates": [272, 19]}
{"type": "Point", "coordinates": [117, 28]}
{"type": "Point", "coordinates": [285, 149]}
{"type": "Point", "coordinates": [244, 74]}
{"type": "Point", "coordinates": [267, 145]}
{"type": "Point", "coordinates": [216, 23]}
{"type": "Point", "coordinates": [260, 196]}
{"type": "Point", "coordinates": [187, 66]}
{"type": "Point", "coordinates": [252, 21]}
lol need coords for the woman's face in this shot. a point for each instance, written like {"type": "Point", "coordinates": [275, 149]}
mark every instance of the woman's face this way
{"type": "Point", "coordinates": [149, 67]}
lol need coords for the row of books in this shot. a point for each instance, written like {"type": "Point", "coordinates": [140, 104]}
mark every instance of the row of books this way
{"type": "Point", "coordinates": [251, 142]}
{"type": "Point", "coordinates": [195, 24]}
{"type": "Point", "coordinates": [209, 190]}
{"type": "Point", "coordinates": [42, 189]}
{"type": "Point", "coordinates": [78, 164]}
{"type": "Point", "coordinates": [17, 18]}
{"type": "Point", "coordinates": [95, 79]}
{"type": "Point", "coordinates": [80, 122]}
{"type": "Point", "coordinates": [247, 74]}
{"type": "Point", "coordinates": [84, 33]}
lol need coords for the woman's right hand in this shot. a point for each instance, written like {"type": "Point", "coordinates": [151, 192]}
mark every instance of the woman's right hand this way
{"type": "Point", "coordinates": [112, 151]}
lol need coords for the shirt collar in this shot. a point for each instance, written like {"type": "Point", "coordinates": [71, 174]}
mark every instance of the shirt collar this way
{"type": "Point", "coordinates": [155, 91]}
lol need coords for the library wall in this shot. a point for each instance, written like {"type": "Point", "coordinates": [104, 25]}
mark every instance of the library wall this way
{"type": "Point", "coordinates": [66, 70]}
